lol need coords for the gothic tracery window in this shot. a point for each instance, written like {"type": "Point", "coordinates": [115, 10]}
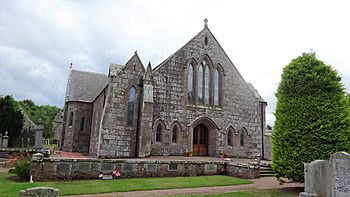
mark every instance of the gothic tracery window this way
{"type": "Point", "coordinates": [159, 133]}
{"type": "Point", "coordinates": [190, 92]}
{"type": "Point", "coordinates": [82, 124]}
{"type": "Point", "coordinates": [229, 137]}
{"type": "Point", "coordinates": [131, 106]}
{"type": "Point", "coordinates": [216, 88]}
{"type": "Point", "coordinates": [206, 84]}
{"type": "Point", "coordinates": [200, 85]}
{"type": "Point", "coordinates": [174, 134]}
{"type": "Point", "coordinates": [71, 116]}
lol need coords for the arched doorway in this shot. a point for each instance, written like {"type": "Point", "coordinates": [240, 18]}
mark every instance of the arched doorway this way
{"type": "Point", "coordinates": [200, 140]}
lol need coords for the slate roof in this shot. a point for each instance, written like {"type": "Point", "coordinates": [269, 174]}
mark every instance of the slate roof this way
{"type": "Point", "coordinates": [85, 86]}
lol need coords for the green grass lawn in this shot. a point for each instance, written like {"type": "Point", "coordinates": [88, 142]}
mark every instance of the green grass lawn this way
{"type": "Point", "coordinates": [9, 188]}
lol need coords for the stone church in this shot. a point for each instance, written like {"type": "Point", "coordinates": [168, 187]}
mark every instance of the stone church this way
{"type": "Point", "coordinates": [195, 101]}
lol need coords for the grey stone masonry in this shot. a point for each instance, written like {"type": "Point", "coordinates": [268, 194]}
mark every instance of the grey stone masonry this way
{"type": "Point", "coordinates": [39, 192]}
{"type": "Point", "coordinates": [328, 177]}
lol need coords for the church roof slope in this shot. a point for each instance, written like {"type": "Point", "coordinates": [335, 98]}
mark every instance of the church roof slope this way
{"type": "Point", "coordinates": [85, 86]}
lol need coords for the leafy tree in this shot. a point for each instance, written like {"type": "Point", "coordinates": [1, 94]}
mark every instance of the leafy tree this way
{"type": "Point", "coordinates": [44, 112]}
{"type": "Point", "coordinates": [11, 118]}
{"type": "Point", "coordinates": [312, 120]}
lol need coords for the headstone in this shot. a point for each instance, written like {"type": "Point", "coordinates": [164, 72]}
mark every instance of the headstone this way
{"type": "Point", "coordinates": [39, 135]}
{"type": "Point", "coordinates": [151, 167]}
{"type": "Point", "coordinates": [84, 166]}
{"type": "Point", "coordinates": [172, 167]}
{"type": "Point", "coordinates": [5, 140]}
{"type": "Point", "coordinates": [107, 177]}
{"type": "Point", "coordinates": [340, 163]}
{"type": "Point", "coordinates": [63, 168]}
{"type": "Point", "coordinates": [210, 168]}
{"type": "Point", "coordinates": [38, 157]}
{"type": "Point", "coordinates": [39, 191]}
{"type": "Point", "coordinates": [128, 167]}
{"type": "Point", "coordinates": [107, 167]}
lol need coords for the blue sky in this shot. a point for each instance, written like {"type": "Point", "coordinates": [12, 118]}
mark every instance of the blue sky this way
{"type": "Point", "coordinates": [39, 39]}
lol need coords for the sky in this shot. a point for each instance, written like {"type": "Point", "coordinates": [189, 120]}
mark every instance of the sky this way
{"type": "Point", "coordinates": [39, 39]}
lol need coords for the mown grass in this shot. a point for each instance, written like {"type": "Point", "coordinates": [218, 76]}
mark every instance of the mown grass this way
{"type": "Point", "coordinates": [9, 187]}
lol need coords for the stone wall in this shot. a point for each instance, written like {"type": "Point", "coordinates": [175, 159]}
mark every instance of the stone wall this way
{"type": "Point", "coordinates": [98, 112]}
{"type": "Point", "coordinates": [328, 177]}
{"type": "Point", "coordinates": [240, 108]}
{"type": "Point", "coordinates": [118, 139]}
{"type": "Point", "coordinates": [39, 191]}
{"type": "Point", "coordinates": [268, 146]}
{"type": "Point", "coordinates": [61, 169]}
{"type": "Point", "coordinates": [77, 139]}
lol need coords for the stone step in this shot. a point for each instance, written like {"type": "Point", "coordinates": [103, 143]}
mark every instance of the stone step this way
{"type": "Point", "coordinates": [266, 175]}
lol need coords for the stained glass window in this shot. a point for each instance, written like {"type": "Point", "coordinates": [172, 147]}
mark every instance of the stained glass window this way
{"type": "Point", "coordinates": [131, 106]}
{"type": "Point", "coordinates": [190, 84]}
{"type": "Point", "coordinates": [159, 133]}
{"type": "Point", "coordinates": [200, 85]}
{"type": "Point", "coordinates": [206, 85]}
{"type": "Point", "coordinates": [174, 136]}
{"type": "Point", "coordinates": [216, 88]}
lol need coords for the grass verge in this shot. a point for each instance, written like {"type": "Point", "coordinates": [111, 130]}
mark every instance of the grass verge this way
{"type": "Point", "coordinates": [10, 187]}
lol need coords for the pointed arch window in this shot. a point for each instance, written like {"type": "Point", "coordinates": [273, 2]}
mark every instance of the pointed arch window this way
{"type": "Point", "coordinates": [206, 84]}
{"type": "Point", "coordinates": [190, 88]}
{"type": "Point", "coordinates": [241, 141]}
{"type": "Point", "coordinates": [174, 134]}
{"type": "Point", "coordinates": [200, 85]}
{"type": "Point", "coordinates": [71, 116]}
{"type": "Point", "coordinates": [229, 137]}
{"type": "Point", "coordinates": [82, 124]}
{"type": "Point", "coordinates": [131, 106]}
{"type": "Point", "coordinates": [159, 133]}
{"type": "Point", "coordinates": [216, 88]}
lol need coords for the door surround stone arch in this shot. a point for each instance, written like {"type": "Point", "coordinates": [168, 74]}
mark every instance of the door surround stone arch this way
{"type": "Point", "coordinates": [213, 132]}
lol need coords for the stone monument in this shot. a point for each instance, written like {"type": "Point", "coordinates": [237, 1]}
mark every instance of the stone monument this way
{"type": "Point", "coordinates": [5, 140]}
{"type": "Point", "coordinates": [39, 135]}
{"type": "Point", "coordinates": [328, 177]}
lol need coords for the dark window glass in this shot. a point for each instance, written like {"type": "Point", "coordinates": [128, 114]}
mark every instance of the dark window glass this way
{"type": "Point", "coordinates": [190, 84]}
{"type": "Point", "coordinates": [82, 124]}
{"type": "Point", "coordinates": [229, 137]}
{"type": "Point", "coordinates": [242, 138]}
{"type": "Point", "coordinates": [159, 133]}
{"type": "Point", "coordinates": [216, 88]}
{"type": "Point", "coordinates": [195, 136]}
{"type": "Point", "coordinates": [206, 85]}
{"type": "Point", "coordinates": [174, 136]}
{"type": "Point", "coordinates": [71, 119]}
{"type": "Point", "coordinates": [131, 106]}
{"type": "Point", "coordinates": [200, 85]}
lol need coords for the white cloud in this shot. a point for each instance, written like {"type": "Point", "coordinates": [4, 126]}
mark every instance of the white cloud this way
{"type": "Point", "coordinates": [38, 39]}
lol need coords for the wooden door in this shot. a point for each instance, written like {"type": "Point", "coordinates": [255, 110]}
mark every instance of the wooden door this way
{"type": "Point", "coordinates": [200, 141]}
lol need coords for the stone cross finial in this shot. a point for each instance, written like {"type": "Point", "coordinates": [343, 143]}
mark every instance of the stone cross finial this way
{"type": "Point", "coordinates": [205, 22]}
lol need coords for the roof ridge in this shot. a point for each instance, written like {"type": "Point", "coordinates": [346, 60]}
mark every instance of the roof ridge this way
{"type": "Point", "coordinates": [91, 72]}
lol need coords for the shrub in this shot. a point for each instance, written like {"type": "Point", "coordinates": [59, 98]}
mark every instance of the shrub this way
{"type": "Point", "coordinates": [312, 120]}
{"type": "Point", "coordinates": [22, 168]}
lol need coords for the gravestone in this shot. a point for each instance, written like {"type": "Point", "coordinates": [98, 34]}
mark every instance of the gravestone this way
{"type": "Point", "coordinates": [128, 167]}
{"type": "Point", "coordinates": [39, 135]}
{"type": "Point", "coordinates": [5, 141]}
{"type": "Point", "coordinates": [107, 167]}
{"type": "Point", "coordinates": [39, 191]}
{"type": "Point", "coordinates": [340, 163]}
{"type": "Point", "coordinates": [63, 168]}
{"type": "Point", "coordinates": [107, 177]}
{"type": "Point", "coordinates": [172, 167]}
{"type": "Point", "coordinates": [151, 167]}
{"type": "Point", "coordinates": [210, 168]}
{"type": "Point", "coordinates": [328, 177]}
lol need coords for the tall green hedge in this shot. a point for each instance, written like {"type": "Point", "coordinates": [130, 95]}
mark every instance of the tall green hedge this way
{"type": "Point", "coordinates": [312, 116]}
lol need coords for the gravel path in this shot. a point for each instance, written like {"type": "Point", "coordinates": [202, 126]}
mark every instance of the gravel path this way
{"type": "Point", "coordinates": [260, 183]}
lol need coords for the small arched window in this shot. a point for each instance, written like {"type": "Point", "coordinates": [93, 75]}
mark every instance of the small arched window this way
{"type": "Point", "coordinates": [200, 85]}
{"type": "Point", "coordinates": [190, 91]}
{"type": "Point", "coordinates": [206, 84]}
{"type": "Point", "coordinates": [159, 133]}
{"type": "Point", "coordinates": [82, 124]}
{"type": "Point", "coordinates": [131, 106]}
{"type": "Point", "coordinates": [229, 137]}
{"type": "Point", "coordinates": [174, 134]}
{"type": "Point", "coordinates": [71, 117]}
{"type": "Point", "coordinates": [216, 88]}
{"type": "Point", "coordinates": [241, 141]}
{"type": "Point", "coordinates": [206, 40]}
